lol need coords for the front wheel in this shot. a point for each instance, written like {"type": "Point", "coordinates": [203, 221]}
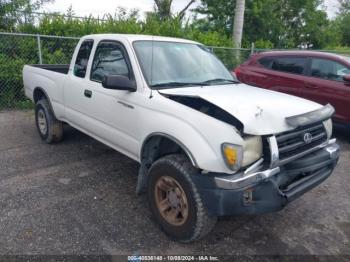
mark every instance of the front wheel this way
{"type": "Point", "coordinates": [175, 202]}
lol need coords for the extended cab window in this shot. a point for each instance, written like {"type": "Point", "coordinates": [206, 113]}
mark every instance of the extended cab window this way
{"type": "Point", "coordinates": [109, 60]}
{"type": "Point", "coordinates": [294, 65]}
{"type": "Point", "coordinates": [83, 58]}
{"type": "Point", "coordinates": [328, 69]}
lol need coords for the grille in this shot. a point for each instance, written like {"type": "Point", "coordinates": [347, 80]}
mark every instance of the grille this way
{"type": "Point", "coordinates": [293, 143]}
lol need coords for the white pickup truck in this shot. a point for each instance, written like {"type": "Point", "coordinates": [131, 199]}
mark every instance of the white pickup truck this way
{"type": "Point", "coordinates": [207, 145]}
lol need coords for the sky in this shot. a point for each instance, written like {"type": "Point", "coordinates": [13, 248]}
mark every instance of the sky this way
{"type": "Point", "coordinates": [100, 7]}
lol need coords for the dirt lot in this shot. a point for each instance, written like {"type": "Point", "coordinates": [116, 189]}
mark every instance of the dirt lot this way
{"type": "Point", "coordinates": [78, 197]}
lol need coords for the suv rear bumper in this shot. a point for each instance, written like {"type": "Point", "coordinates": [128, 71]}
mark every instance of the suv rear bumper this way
{"type": "Point", "coordinates": [269, 190]}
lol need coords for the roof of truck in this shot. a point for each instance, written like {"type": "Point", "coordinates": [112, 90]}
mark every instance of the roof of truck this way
{"type": "Point", "coordinates": [134, 37]}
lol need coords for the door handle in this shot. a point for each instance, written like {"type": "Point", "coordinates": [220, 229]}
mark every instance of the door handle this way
{"type": "Point", "coordinates": [87, 93]}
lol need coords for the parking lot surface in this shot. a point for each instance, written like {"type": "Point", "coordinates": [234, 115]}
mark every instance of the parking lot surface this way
{"type": "Point", "coordinates": [78, 197]}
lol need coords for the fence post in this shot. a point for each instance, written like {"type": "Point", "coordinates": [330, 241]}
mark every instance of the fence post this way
{"type": "Point", "coordinates": [39, 49]}
{"type": "Point", "coordinates": [252, 48]}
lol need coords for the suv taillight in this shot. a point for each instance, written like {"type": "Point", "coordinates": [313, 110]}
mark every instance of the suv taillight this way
{"type": "Point", "coordinates": [237, 71]}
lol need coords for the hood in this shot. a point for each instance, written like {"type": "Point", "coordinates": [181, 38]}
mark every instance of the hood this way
{"type": "Point", "coordinates": [261, 111]}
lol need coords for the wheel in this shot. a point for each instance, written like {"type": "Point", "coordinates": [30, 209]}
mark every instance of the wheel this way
{"type": "Point", "coordinates": [49, 128]}
{"type": "Point", "coordinates": [174, 200]}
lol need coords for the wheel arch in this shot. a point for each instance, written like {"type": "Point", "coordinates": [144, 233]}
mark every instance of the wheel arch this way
{"type": "Point", "coordinates": [40, 93]}
{"type": "Point", "coordinates": [154, 139]}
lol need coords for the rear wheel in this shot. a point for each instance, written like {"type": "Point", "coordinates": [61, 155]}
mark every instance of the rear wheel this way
{"type": "Point", "coordinates": [174, 201]}
{"type": "Point", "coordinates": [49, 128]}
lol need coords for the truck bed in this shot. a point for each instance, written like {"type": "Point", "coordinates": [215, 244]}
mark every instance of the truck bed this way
{"type": "Point", "coordinates": [63, 69]}
{"type": "Point", "coordinates": [49, 78]}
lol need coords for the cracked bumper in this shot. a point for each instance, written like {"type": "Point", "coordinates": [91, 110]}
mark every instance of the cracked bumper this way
{"type": "Point", "coordinates": [269, 190]}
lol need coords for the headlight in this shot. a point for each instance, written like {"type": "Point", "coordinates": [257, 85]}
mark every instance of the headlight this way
{"type": "Point", "coordinates": [328, 125]}
{"type": "Point", "coordinates": [252, 150]}
{"type": "Point", "coordinates": [236, 156]}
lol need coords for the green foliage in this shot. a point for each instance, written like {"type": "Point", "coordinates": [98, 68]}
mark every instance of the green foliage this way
{"type": "Point", "coordinates": [127, 22]}
{"type": "Point", "coordinates": [284, 23]}
{"type": "Point", "coordinates": [13, 12]}
{"type": "Point", "coordinates": [11, 83]}
{"type": "Point", "coordinates": [16, 51]}
{"type": "Point", "coordinates": [344, 6]}
{"type": "Point", "coordinates": [344, 22]}
{"type": "Point", "coordinates": [218, 16]}
{"type": "Point", "coordinates": [268, 23]}
{"type": "Point", "coordinates": [23, 104]}
{"type": "Point", "coordinates": [264, 44]}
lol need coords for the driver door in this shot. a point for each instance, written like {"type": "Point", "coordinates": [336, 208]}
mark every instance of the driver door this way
{"type": "Point", "coordinates": [115, 111]}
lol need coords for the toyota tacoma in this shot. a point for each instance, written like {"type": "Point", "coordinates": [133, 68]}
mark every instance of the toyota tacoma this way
{"type": "Point", "coordinates": [207, 145]}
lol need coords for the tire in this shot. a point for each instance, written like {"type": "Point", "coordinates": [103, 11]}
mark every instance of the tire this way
{"type": "Point", "coordinates": [49, 128]}
{"type": "Point", "coordinates": [193, 222]}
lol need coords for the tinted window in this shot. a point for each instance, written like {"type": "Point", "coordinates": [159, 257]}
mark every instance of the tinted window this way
{"type": "Point", "coordinates": [266, 62]}
{"type": "Point", "coordinates": [83, 58]}
{"type": "Point", "coordinates": [295, 65]}
{"type": "Point", "coordinates": [328, 69]}
{"type": "Point", "coordinates": [109, 60]}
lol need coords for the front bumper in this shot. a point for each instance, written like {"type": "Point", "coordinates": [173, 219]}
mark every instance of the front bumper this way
{"type": "Point", "coordinates": [269, 190]}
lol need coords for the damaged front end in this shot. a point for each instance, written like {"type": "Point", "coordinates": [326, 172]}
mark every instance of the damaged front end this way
{"type": "Point", "coordinates": [267, 190]}
{"type": "Point", "coordinates": [292, 163]}
{"type": "Point", "coordinates": [209, 109]}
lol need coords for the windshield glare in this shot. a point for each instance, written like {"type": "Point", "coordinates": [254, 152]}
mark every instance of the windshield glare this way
{"type": "Point", "coordinates": [178, 63]}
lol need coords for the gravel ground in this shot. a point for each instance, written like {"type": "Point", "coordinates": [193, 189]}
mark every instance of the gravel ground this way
{"type": "Point", "coordinates": [78, 197]}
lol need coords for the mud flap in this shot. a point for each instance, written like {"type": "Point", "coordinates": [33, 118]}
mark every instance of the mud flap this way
{"type": "Point", "coordinates": [141, 186]}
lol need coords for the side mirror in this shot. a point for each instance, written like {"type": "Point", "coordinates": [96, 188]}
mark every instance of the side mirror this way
{"type": "Point", "coordinates": [346, 79]}
{"type": "Point", "coordinates": [119, 82]}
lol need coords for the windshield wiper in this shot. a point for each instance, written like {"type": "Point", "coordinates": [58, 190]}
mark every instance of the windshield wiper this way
{"type": "Point", "coordinates": [176, 84]}
{"type": "Point", "coordinates": [220, 80]}
{"type": "Point", "coordinates": [182, 84]}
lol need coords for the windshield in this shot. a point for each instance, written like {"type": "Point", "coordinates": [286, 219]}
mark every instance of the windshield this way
{"type": "Point", "coordinates": [179, 64]}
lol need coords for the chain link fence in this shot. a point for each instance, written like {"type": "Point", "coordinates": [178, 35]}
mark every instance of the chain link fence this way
{"type": "Point", "coordinates": [17, 50]}
{"type": "Point", "coordinates": [232, 57]}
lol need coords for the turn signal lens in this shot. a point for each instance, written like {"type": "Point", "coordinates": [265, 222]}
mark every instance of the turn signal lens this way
{"type": "Point", "coordinates": [233, 156]}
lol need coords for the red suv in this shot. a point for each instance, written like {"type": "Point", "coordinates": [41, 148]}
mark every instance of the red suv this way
{"type": "Point", "coordinates": [317, 76]}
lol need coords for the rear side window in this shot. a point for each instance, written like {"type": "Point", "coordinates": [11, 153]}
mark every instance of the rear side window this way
{"type": "Point", "coordinates": [266, 62]}
{"type": "Point", "coordinates": [328, 69]}
{"type": "Point", "coordinates": [83, 58]}
{"type": "Point", "coordinates": [294, 65]}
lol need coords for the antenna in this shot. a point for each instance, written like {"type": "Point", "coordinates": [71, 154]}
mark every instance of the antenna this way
{"type": "Point", "coordinates": [151, 95]}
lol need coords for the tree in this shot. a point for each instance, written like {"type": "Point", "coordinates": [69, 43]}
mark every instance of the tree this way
{"type": "Point", "coordinates": [163, 9]}
{"type": "Point", "coordinates": [13, 12]}
{"type": "Point", "coordinates": [344, 6]}
{"type": "Point", "coordinates": [217, 15]}
{"type": "Point", "coordinates": [282, 23]}
{"type": "Point", "coordinates": [343, 21]}
{"type": "Point", "coordinates": [238, 23]}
